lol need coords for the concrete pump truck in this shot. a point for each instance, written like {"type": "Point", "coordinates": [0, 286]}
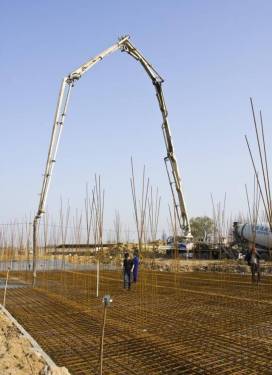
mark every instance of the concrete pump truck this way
{"type": "Point", "coordinates": [68, 82]}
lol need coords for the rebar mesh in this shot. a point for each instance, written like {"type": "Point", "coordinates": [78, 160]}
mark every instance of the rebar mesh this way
{"type": "Point", "coordinates": [169, 323]}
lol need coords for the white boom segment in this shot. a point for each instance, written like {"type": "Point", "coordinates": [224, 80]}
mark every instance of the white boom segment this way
{"type": "Point", "coordinates": [178, 196]}
{"type": "Point", "coordinates": [67, 83]}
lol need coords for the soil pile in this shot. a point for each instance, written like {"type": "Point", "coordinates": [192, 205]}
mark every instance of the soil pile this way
{"type": "Point", "coordinates": [18, 357]}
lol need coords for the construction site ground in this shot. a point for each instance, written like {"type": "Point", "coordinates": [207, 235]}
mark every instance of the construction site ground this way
{"type": "Point", "coordinates": [19, 355]}
{"type": "Point", "coordinates": [168, 323]}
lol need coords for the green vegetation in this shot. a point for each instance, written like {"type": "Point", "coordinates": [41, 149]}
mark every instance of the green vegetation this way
{"type": "Point", "coordinates": [201, 226]}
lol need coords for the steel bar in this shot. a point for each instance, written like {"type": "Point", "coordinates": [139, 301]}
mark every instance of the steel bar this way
{"type": "Point", "coordinates": [170, 323]}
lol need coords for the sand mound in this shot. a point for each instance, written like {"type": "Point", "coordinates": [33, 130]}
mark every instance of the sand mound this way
{"type": "Point", "coordinates": [17, 355]}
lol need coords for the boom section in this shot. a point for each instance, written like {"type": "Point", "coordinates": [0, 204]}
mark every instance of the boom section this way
{"type": "Point", "coordinates": [63, 100]}
{"type": "Point", "coordinates": [78, 73]}
{"type": "Point", "coordinates": [61, 110]}
{"type": "Point", "coordinates": [174, 176]}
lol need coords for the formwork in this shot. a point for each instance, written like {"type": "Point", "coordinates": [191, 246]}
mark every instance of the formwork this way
{"type": "Point", "coordinates": [168, 323]}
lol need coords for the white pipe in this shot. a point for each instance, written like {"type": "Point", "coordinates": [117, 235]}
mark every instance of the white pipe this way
{"type": "Point", "coordinates": [58, 125]}
{"type": "Point", "coordinates": [46, 179]}
{"type": "Point", "coordinates": [5, 291]}
{"type": "Point", "coordinates": [97, 278]}
{"type": "Point", "coordinates": [91, 62]}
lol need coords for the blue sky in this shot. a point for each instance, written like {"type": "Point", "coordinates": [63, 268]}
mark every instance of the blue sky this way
{"type": "Point", "coordinates": [213, 56]}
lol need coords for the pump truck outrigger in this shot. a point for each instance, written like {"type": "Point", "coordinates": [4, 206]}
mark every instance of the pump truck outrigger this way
{"type": "Point", "coordinates": [68, 82]}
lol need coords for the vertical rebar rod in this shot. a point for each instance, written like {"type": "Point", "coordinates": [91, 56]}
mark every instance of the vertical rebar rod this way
{"type": "Point", "coordinates": [257, 178]}
{"type": "Point", "coordinates": [249, 209]}
{"type": "Point", "coordinates": [214, 219]}
{"type": "Point", "coordinates": [102, 340]}
{"type": "Point", "coordinates": [134, 198]}
{"type": "Point", "coordinates": [261, 160]}
{"type": "Point", "coordinates": [266, 166]}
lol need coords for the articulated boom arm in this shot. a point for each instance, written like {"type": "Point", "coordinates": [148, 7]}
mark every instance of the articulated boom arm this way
{"type": "Point", "coordinates": [63, 100]}
{"type": "Point", "coordinates": [175, 180]}
{"type": "Point", "coordinates": [68, 82]}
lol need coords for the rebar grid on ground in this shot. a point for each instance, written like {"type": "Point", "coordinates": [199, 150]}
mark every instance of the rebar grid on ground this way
{"type": "Point", "coordinates": [169, 323]}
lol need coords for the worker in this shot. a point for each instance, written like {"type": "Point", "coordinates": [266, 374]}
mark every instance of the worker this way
{"type": "Point", "coordinates": [127, 266]}
{"type": "Point", "coordinates": [254, 264]}
{"type": "Point", "coordinates": [135, 267]}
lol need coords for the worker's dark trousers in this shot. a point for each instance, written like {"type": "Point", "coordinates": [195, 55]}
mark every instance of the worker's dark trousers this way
{"type": "Point", "coordinates": [127, 280]}
{"type": "Point", "coordinates": [255, 269]}
{"type": "Point", "coordinates": [135, 274]}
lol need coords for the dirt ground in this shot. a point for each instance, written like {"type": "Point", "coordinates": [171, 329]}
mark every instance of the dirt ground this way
{"type": "Point", "coordinates": [17, 356]}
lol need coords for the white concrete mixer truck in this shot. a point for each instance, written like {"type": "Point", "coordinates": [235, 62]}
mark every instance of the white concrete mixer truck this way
{"type": "Point", "coordinates": [260, 235]}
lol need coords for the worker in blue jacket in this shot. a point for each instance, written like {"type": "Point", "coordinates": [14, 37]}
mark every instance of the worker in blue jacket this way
{"type": "Point", "coordinates": [135, 267]}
